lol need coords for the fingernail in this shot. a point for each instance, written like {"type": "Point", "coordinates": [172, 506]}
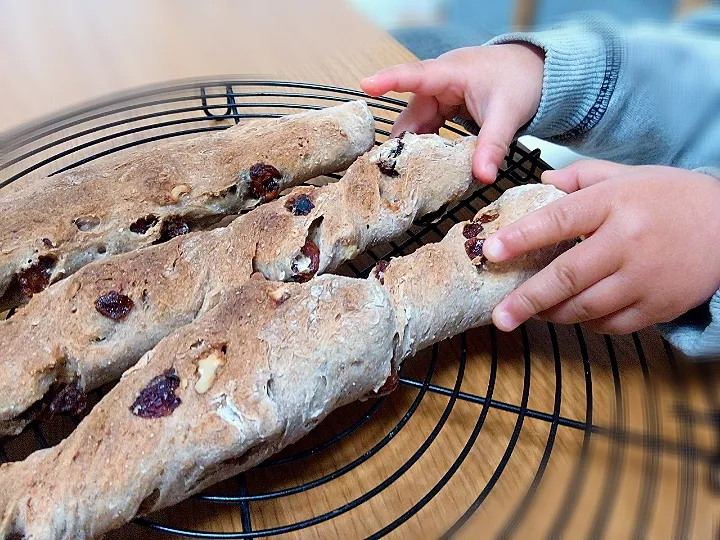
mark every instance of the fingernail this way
{"type": "Point", "coordinates": [491, 171]}
{"type": "Point", "coordinates": [493, 249]}
{"type": "Point", "coordinates": [504, 320]}
{"type": "Point", "coordinates": [368, 80]}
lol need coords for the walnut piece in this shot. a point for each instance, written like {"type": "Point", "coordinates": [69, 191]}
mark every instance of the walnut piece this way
{"type": "Point", "coordinates": [207, 370]}
{"type": "Point", "coordinates": [279, 295]}
{"type": "Point", "coordinates": [178, 191]}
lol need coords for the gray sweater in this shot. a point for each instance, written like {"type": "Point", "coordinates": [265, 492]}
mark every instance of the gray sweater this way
{"type": "Point", "coordinates": [642, 95]}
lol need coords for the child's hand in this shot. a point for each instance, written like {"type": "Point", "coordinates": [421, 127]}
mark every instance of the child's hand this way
{"type": "Point", "coordinates": [498, 86]}
{"type": "Point", "coordinates": [651, 252]}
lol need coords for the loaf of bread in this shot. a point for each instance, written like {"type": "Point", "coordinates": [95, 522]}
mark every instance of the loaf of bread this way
{"type": "Point", "coordinates": [254, 374]}
{"type": "Point", "coordinates": [89, 328]}
{"type": "Point", "coordinates": [51, 227]}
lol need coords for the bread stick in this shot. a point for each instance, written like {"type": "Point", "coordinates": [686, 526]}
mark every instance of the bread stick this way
{"type": "Point", "coordinates": [51, 227]}
{"type": "Point", "coordinates": [256, 373]}
{"type": "Point", "coordinates": [88, 329]}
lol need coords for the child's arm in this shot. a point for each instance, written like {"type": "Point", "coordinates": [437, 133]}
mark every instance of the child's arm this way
{"type": "Point", "coordinates": [657, 101]}
{"type": "Point", "coordinates": [643, 95]}
{"type": "Point", "coordinates": [647, 95]}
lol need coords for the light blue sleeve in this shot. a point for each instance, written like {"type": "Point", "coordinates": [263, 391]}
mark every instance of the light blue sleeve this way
{"type": "Point", "coordinates": [642, 95]}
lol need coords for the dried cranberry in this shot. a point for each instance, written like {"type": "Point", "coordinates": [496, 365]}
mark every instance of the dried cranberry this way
{"type": "Point", "coordinates": [380, 269]}
{"type": "Point", "coordinates": [312, 252]}
{"type": "Point", "coordinates": [114, 305]}
{"type": "Point", "coordinates": [300, 205]}
{"type": "Point", "coordinates": [390, 384]}
{"type": "Point", "coordinates": [400, 145]}
{"type": "Point", "coordinates": [69, 400]}
{"type": "Point", "coordinates": [264, 181]}
{"type": "Point", "coordinates": [59, 399]}
{"type": "Point", "coordinates": [36, 278]}
{"type": "Point", "coordinates": [158, 398]}
{"type": "Point", "coordinates": [473, 247]}
{"type": "Point", "coordinates": [489, 216]}
{"type": "Point", "coordinates": [471, 230]}
{"type": "Point", "coordinates": [387, 164]}
{"type": "Point", "coordinates": [171, 227]}
{"type": "Point", "coordinates": [387, 168]}
{"type": "Point", "coordinates": [47, 242]}
{"type": "Point", "coordinates": [143, 224]}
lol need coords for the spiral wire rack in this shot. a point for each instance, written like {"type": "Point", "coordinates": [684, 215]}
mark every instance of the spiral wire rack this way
{"type": "Point", "coordinates": [186, 109]}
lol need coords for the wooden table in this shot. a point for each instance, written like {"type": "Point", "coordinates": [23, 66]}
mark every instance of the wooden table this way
{"type": "Point", "coordinates": [55, 55]}
{"type": "Point", "coordinates": [646, 458]}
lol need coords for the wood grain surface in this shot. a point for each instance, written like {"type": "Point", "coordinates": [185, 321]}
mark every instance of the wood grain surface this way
{"type": "Point", "coordinates": [489, 419]}
{"type": "Point", "coordinates": [55, 55]}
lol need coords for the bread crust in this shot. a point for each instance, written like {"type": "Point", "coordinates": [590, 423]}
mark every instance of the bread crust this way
{"type": "Point", "coordinates": [51, 227]}
{"type": "Point", "coordinates": [288, 353]}
{"type": "Point", "coordinates": [60, 338]}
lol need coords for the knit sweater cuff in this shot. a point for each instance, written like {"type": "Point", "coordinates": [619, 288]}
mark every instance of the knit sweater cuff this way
{"type": "Point", "coordinates": [582, 61]}
{"type": "Point", "coordinates": [697, 334]}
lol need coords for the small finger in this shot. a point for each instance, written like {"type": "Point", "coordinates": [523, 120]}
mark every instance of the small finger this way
{"type": "Point", "coordinates": [429, 77]}
{"type": "Point", "coordinates": [567, 276]}
{"type": "Point", "coordinates": [574, 215]}
{"type": "Point", "coordinates": [624, 321]}
{"type": "Point", "coordinates": [583, 173]}
{"type": "Point", "coordinates": [420, 116]}
{"type": "Point", "coordinates": [603, 298]}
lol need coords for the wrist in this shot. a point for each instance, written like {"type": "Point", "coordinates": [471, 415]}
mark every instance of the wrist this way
{"type": "Point", "coordinates": [582, 63]}
{"type": "Point", "coordinates": [531, 59]}
{"type": "Point", "coordinates": [521, 67]}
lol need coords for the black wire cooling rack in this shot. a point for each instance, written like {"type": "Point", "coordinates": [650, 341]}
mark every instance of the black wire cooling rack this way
{"type": "Point", "coordinates": [619, 395]}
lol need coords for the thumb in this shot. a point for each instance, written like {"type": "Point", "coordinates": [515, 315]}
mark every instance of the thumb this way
{"type": "Point", "coordinates": [493, 142]}
{"type": "Point", "coordinates": [583, 173]}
